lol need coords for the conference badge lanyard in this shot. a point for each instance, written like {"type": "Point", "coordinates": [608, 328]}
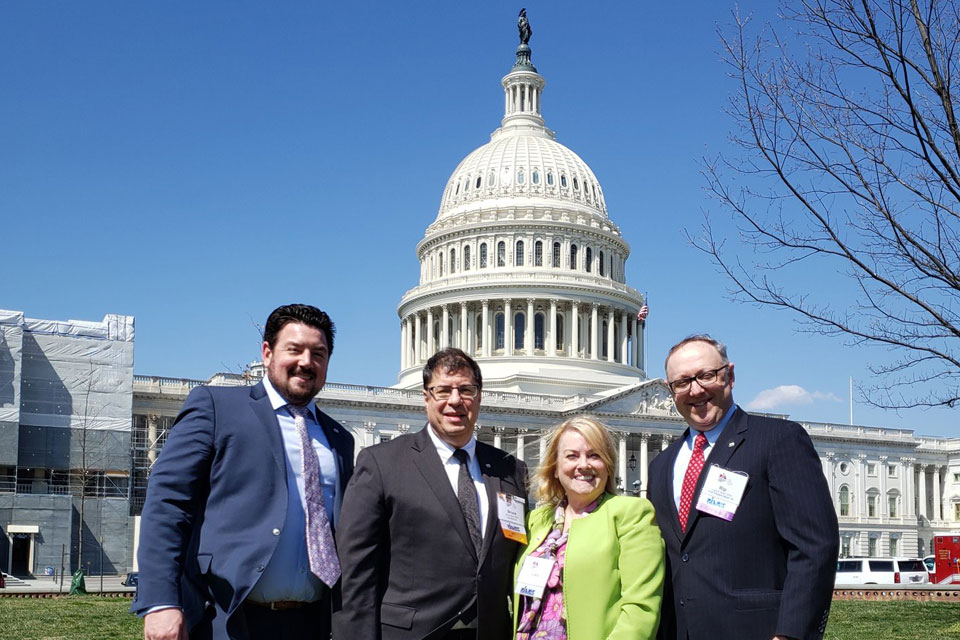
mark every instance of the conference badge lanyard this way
{"type": "Point", "coordinates": [510, 510]}
{"type": "Point", "coordinates": [722, 491]}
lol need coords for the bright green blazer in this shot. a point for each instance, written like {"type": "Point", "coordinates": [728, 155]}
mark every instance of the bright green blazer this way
{"type": "Point", "coordinates": [613, 574]}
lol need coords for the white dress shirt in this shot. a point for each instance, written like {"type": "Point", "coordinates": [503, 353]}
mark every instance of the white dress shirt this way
{"type": "Point", "coordinates": [452, 466]}
{"type": "Point", "coordinates": [686, 451]}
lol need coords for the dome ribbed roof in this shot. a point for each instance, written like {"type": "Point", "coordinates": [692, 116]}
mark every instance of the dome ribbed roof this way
{"type": "Point", "coordinates": [521, 165]}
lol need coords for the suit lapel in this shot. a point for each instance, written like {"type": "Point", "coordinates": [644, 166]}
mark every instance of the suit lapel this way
{"type": "Point", "coordinates": [260, 403]}
{"type": "Point", "coordinates": [728, 442]}
{"type": "Point", "coordinates": [671, 453]}
{"type": "Point", "coordinates": [490, 469]}
{"type": "Point", "coordinates": [431, 468]}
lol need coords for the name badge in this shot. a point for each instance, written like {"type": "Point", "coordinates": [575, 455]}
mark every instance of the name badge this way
{"type": "Point", "coordinates": [722, 492]}
{"type": "Point", "coordinates": [510, 510]}
{"type": "Point", "coordinates": [533, 576]}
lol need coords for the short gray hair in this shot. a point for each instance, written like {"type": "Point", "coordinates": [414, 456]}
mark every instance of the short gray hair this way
{"type": "Point", "coordinates": [698, 337]}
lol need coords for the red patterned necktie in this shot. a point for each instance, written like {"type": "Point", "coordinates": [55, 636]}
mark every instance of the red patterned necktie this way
{"type": "Point", "coordinates": [690, 479]}
{"type": "Point", "coordinates": [321, 551]}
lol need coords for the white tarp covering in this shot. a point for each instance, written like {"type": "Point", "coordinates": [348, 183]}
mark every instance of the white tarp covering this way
{"type": "Point", "coordinates": [77, 374]}
{"type": "Point", "coordinates": [11, 344]}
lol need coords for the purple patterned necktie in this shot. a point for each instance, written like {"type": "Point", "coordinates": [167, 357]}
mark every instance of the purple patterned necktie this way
{"type": "Point", "coordinates": [320, 547]}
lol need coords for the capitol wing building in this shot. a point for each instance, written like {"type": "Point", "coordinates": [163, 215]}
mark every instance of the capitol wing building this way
{"type": "Point", "coordinates": [524, 269]}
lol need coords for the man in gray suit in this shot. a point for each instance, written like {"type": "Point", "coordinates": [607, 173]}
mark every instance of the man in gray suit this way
{"type": "Point", "coordinates": [421, 546]}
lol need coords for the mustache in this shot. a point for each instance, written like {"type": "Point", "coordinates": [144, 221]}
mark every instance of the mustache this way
{"type": "Point", "coordinates": [305, 373]}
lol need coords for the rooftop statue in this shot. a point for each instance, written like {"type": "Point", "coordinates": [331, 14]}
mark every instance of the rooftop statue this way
{"type": "Point", "coordinates": [524, 27]}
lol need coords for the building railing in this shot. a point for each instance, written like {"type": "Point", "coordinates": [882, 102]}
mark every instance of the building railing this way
{"type": "Point", "coordinates": [161, 385]}
{"type": "Point", "coordinates": [854, 431]}
{"type": "Point", "coordinates": [496, 398]}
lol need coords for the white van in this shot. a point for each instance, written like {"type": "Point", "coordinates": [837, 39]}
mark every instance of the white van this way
{"type": "Point", "coordinates": [905, 571]}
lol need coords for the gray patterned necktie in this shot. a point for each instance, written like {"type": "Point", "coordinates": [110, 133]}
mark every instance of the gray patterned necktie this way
{"type": "Point", "coordinates": [467, 495]}
{"type": "Point", "coordinates": [321, 550]}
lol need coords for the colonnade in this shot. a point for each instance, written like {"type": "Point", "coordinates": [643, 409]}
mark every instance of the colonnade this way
{"type": "Point", "coordinates": [528, 326]}
{"type": "Point", "coordinates": [936, 508]}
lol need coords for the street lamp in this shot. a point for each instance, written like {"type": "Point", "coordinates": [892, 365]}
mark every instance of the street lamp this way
{"type": "Point", "coordinates": [632, 463]}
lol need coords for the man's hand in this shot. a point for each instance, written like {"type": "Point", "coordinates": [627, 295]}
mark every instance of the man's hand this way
{"type": "Point", "coordinates": [165, 624]}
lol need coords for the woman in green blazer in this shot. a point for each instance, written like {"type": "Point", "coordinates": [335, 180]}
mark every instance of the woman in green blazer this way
{"type": "Point", "coordinates": [603, 553]}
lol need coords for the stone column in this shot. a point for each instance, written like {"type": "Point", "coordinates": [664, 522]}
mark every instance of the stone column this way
{"type": "Point", "coordinates": [575, 329]}
{"type": "Point", "coordinates": [644, 463]}
{"type": "Point", "coordinates": [464, 333]}
{"type": "Point", "coordinates": [861, 497]}
{"type": "Point", "coordinates": [370, 433]}
{"type": "Point", "coordinates": [936, 493]}
{"type": "Point", "coordinates": [498, 437]}
{"type": "Point", "coordinates": [922, 493]}
{"type": "Point", "coordinates": [611, 336]}
{"type": "Point", "coordinates": [152, 435]}
{"type": "Point", "coordinates": [665, 442]}
{"type": "Point", "coordinates": [417, 340]}
{"type": "Point", "coordinates": [624, 338]}
{"type": "Point", "coordinates": [529, 327]}
{"type": "Point", "coordinates": [636, 339]}
{"type": "Point", "coordinates": [520, 436]}
{"type": "Point", "coordinates": [444, 323]}
{"type": "Point", "coordinates": [622, 458]}
{"type": "Point", "coordinates": [829, 460]}
{"type": "Point", "coordinates": [429, 350]}
{"type": "Point", "coordinates": [541, 446]}
{"type": "Point", "coordinates": [594, 331]}
{"type": "Point", "coordinates": [883, 471]}
{"type": "Point", "coordinates": [909, 492]}
{"type": "Point", "coordinates": [485, 321]}
{"type": "Point", "coordinates": [552, 341]}
{"type": "Point", "coordinates": [507, 328]}
{"type": "Point", "coordinates": [403, 344]}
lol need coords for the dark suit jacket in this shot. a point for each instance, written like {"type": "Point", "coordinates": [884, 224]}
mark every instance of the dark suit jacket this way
{"type": "Point", "coordinates": [216, 495]}
{"type": "Point", "coordinates": [771, 569]}
{"type": "Point", "coordinates": [409, 567]}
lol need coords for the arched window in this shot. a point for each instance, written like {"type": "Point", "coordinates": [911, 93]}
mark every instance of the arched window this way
{"type": "Point", "coordinates": [466, 258]}
{"type": "Point", "coordinates": [538, 331]}
{"type": "Point", "coordinates": [538, 254]}
{"type": "Point", "coordinates": [478, 333]}
{"type": "Point", "coordinates": [602, 270]}
{"type": "Point", "coordinates": [518, 256]}
{"type": "Point", "coordinates": [589, 260]}
{"type": "Point", "coordinates": [576, 184]}
{"type": "Point", "coordinates": [436, 336]}
{"type": "Point", "coordinates": [483, 255]}
{"type": "Point", "coordinates": [535, 177]}
{"type": "Point", "coordinates": [549, 178]}
{"type": "Point", "coordinates": [893, 503]}
{"type": "Point", "coordinates": [563, 181]}
{"type": "Point", "coordinates": [501, 254]}
{"type": "Point", "coordinates": [441, 263]}
{"type": "Point", "coordinates": [556, 255]}
{"type": "Point", "coordinates": [520, 176]}
{"type": "Point", "coordinates": [844, 501]}
{"type": "Point", "coordinates": [559, 332]}
{"type": "Point", "coordinates": [491, 179]}
{"type": "Point", "coordinates": [872, 503]}
{"type": "Point", "coordinates": [573, 256]}
{"type": "Point", "coordinates": [457, 192]}
{"type": "Point", "coordinates": [479, 181]}
{"type": "Point", "coordinates": [453, 261]}
{"type": "Point", "coordinates": [519, 327]}
{"type": "Point", "coordinates": [499, 322]}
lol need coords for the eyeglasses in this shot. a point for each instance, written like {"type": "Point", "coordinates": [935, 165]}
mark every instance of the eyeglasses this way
{"type": "Point", "coordinates": [443, 391]}
{"type": "Point", "coordinates": [704, 379]}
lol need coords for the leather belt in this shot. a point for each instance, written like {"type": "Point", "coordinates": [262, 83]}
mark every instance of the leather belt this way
{"type": "Point", "coordinates": [280, 605]}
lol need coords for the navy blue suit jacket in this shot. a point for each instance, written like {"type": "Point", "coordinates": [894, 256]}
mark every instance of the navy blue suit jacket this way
{"type": "Point", "coordinates": [771, 569]}
{"type": "Point", "coordinates": [217, 497]}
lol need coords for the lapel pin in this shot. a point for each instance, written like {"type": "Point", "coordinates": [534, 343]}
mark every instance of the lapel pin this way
{"type": "Point", "coordinates": [730, 444]}
{"type": "Point", "coordinates": [487, 465]}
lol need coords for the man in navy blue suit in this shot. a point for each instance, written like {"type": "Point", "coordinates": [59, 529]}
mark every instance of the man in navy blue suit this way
{"type": "Point", "coordinates": [750, 530]}
{"type": "Point", "coordinates": [224, 550]}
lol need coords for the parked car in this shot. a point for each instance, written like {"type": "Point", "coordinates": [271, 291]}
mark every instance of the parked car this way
{"type": "Point", "coordinates": [931, 563]}
{"type": "Point", "coordinates": [881, 571]}
{"type": "Point", "coordinates": [132, 579]}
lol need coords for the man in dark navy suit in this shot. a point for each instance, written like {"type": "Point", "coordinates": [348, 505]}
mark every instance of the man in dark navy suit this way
{"type": "Point", "coordinates": [750, 530]}
{"type": "Point", "coordinates": [245, 474]}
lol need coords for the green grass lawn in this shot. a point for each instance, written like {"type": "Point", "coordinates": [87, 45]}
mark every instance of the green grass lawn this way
{"type": "Point", "coordinates": [95, 618]}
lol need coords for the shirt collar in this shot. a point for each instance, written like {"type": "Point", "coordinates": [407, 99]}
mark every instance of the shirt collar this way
{"type": "Point", "coordinates": [278, 402]}
{"type": "Point", "coordinates": [714, 434]}
{"type": "Point", "coordinates": [445, 449]}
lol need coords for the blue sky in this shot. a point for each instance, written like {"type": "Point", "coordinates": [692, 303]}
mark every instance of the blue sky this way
{"type": "Point", "coordinates": [197, 164]}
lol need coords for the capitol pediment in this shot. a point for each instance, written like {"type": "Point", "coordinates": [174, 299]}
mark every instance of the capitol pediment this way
{"type": "Point", "coordinates": [649, 398]}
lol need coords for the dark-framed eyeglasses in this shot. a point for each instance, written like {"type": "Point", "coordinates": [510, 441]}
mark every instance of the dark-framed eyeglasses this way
{"type": "Point", "coordinates": [444, 391]}
{"type": "Point", "coordinates": [704, 379]}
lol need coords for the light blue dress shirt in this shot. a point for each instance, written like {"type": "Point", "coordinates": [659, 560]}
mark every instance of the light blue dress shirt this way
{"type": "Point", "coordinates": [686, 451]}
{"type": "Point", "coordinates": [287, 576]}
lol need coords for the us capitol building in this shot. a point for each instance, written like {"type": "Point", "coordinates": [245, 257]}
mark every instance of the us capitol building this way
{"type": "Point", "coordinates": [524, 269]}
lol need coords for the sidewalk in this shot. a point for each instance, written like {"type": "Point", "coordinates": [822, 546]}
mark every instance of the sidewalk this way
{"type": "Point", "coordinates": [45, 584]}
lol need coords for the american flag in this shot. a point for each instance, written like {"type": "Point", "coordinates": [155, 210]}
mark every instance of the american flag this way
{"type": "Point", "coordinates": [643, 313]}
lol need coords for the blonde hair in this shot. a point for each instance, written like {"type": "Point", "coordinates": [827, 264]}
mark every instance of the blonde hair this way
{"type": "Point", "coordinates": [547, 487]}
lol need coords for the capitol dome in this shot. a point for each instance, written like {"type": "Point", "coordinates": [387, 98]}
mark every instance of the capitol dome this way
{"type": "Point", "coordinates": [522, 267]}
